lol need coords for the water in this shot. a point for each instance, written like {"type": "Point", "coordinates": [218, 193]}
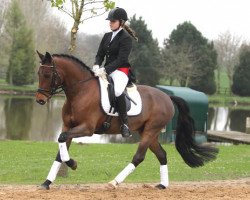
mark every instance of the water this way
{"type": "Point", "coordinates": [228, 118]}
{"type": "Point", "coordinates": [23, 119]}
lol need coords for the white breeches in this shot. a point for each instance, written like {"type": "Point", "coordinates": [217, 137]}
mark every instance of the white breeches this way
{"type": "Point", "coordinates": [120, 81]}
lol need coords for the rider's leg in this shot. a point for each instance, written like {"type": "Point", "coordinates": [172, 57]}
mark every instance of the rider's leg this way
{"type": "Point", "coordinates": [120, 82]}
{"type": "Point", "coordinates": [123, 115]}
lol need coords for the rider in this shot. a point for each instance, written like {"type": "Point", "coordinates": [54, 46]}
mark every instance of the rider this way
{"type": "Point", "coordinates": [116, 47]}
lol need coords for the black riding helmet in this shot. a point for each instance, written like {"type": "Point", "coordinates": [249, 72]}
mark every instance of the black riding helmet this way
{"type": "Point", "coordinates": [117, 14]}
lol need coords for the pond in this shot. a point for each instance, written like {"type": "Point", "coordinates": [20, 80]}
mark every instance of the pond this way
{"type": "Point", "coordinates": [228, 118]}
{"type": "Point", "coordinates": [23, 119]}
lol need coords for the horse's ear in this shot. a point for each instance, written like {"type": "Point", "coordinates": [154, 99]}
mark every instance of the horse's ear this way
{"type": "Point", "coordinates": [48, 57]}
{"type": "Point", "coordinates": [41, 56]}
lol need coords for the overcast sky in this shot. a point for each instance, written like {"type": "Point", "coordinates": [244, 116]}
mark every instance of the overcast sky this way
{"type": "Point", "coordinates": [210, 17]}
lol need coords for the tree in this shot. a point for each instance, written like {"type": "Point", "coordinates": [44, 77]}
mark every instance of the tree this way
{"type": "Point", "coordinates": [145, 55]}
{"type": "Point", "coordinates": [22, 58]}
{"type": "Point", "coordinates": [3, 5]}
{"type": "Point", "coordinates": [241, 77]}
{"type": "Point", "coordinates": [196, 58]}
{"type": "Point", "coordinates": [205, 79]}
{"type": "Point", "coordinates": [4, 59]}
{"type": "Point", "coordinates": [50, 33]}
{"type": "Point", "coordinates": [90, 9]}
{"type": "Point", "coordinates": [227, 47]}
{"type": "Point", "coordinates": [178, 63]}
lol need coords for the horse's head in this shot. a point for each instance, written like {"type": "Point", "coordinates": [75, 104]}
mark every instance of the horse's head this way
{"type": "Point", "coordinates": [49, 79]}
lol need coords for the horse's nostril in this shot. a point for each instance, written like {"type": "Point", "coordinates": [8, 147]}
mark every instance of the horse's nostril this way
{"type": "Point", "coordinates": [41, 102]}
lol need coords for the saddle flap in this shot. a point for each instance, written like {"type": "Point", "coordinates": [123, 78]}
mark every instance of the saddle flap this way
{"type": "Point", "coordinates": [133, 98]}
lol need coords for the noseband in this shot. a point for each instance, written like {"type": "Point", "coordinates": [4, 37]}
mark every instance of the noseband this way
{"type": "Point", "coordinates": [56, 85]}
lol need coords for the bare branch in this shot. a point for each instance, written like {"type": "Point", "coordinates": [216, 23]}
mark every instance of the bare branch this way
{"type": "Point", "coordinates": [90, 9]}
{"type": "Point", "coordinates": [93, 2]}
{"type": "Point", "coordinates": [73, 9]}
{"type": "Point", "coordinates": [81, 7]}
{"type": "Point", "coordinates": [92, 17]}
{"type": "Point", "coordinates": [66, 11]}
{"type": "Point", "coordinates": [76, 5]}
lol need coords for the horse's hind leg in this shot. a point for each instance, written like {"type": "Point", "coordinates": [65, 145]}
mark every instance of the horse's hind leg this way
{"type": "Point", "coordinates": [137, 159]}
{"type": "Point", "coordinates": [161, 155]}
{"type": "Point", "coordinates": [56, 166]}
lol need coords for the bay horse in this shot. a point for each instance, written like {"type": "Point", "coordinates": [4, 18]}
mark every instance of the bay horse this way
{"type": "Point", "coordinates": [82, 116]}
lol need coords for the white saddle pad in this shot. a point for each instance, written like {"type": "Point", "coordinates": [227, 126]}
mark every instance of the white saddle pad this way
{"type": "Point", "coordinates": [132, 93]}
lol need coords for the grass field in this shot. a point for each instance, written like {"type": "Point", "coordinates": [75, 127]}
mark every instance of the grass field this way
{"type": "Point", "coordinates": [224, 81]}
{"type": "Point", "coordinates": [22, 89]}
{"type": "Point", "coordinates": [29, 162]}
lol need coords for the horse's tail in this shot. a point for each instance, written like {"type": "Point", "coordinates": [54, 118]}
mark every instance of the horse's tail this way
{"type": "Point", "coordinates": [193, 154]}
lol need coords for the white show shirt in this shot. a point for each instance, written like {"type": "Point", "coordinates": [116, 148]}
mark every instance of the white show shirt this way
{"type": "Point", "coordinates": [115, 33]}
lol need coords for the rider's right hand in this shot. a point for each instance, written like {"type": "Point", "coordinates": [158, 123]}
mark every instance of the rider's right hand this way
{"type": "Point", "coordinates": [95, 68]}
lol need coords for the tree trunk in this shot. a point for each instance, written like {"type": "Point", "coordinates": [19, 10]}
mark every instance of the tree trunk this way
{"type": "Point", "coordinates": [73, 37]}
{"type": "Point", "coordinates": [218, 82]}
{"type": "Point", "coordinates": [77, 14]}
{"type": "Point", "coordinates": [230, 83]}
{"type": "Point", "coordinates": [10, 78]}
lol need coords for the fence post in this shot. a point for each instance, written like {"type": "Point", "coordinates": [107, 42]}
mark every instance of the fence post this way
{"type": "Point", "coordinates": [248, 125]}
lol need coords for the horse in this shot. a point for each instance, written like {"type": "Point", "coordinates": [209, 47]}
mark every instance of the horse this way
{"type": "Point", "coordinates": [82, 116]}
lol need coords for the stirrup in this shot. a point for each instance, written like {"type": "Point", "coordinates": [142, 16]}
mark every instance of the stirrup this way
{"type": "Point", "coordinates": [125, 130]}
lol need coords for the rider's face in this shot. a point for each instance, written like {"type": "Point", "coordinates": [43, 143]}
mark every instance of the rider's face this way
{"type": "Point", "coordinates": [114, 25]}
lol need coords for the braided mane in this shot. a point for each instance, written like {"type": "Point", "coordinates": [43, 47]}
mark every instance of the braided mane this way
{"type": "Point", "coordinates": [76, 60]}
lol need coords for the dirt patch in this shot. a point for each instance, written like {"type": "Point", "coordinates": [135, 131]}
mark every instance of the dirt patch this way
{"type": "Point", "coordinates": [230, 189]}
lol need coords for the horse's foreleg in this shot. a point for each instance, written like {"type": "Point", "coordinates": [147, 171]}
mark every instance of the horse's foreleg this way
{"type": "Point", "coordinates": [78, 131]}
{"type": "Point", "coordinates": [56, 167]}
{"type": "Point", "coordinates": [161, 155]}
{"type": "Point", "coordinates": [137, 159]}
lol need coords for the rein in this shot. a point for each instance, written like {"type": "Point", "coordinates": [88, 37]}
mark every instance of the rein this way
{"type": "Point", "coordinates": [56, 82]}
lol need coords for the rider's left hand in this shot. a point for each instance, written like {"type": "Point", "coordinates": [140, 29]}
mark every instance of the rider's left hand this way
{"type": "Point", "coordinates": [95, 68]}
{"type": "Point", "coordinates": [100, 72]}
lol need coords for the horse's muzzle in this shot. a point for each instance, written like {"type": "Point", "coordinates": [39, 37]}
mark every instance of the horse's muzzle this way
{"type": "Point", "coordinates": [41, 99]}
{"type": "Point", "coordinates": [41, 102]}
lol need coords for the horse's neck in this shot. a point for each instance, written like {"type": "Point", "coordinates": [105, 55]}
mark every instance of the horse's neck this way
{"type": "Point", "coordinates": [75, 80]}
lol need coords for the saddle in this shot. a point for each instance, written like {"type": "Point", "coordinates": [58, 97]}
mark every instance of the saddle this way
{"type": "Point", "coordinates": [108, 99]}
{"type": "Point", "coordinates": [112, 98]}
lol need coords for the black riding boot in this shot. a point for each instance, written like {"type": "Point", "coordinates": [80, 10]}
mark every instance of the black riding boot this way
{"type": "Point", "coordinates": [121, 103]}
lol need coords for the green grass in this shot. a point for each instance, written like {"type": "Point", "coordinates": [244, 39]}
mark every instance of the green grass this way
{"type": "Point", "coordinates": [2, 81]}
{"type": "Point", "coordinates": [224, 81]}
{"type": "Point", "coordinates": [29, 162]}
{"type": "Point", "coordinates": [227, 99]}
{"type": "Point", "coordinates": [21, 89]}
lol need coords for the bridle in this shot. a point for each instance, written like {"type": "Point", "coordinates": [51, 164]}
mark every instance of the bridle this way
{"type": "Point", "coordinates": [56, 85]}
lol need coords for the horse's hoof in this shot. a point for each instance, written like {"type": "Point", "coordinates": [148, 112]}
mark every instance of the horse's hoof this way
{"type": "Point", "coordinates": [112, 185]}
{"type": "Point", "coordinates": [160, 187]}
{"type": "Point", "coordinates": [43, 187]}
{"type": "Point", "coordinates": [74, 167]}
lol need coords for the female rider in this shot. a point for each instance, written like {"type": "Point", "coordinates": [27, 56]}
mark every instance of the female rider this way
{"type": "Point", "coordinates": [115, 47]}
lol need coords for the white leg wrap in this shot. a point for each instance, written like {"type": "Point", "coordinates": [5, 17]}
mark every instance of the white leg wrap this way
{"type": "Point", "coordinates": [64, 152]}
{"type": "Point", "coordinates": [124, 173]}
{"type": "Point", "coordinates": [164, 175]}
{"type": "Point", "coordinates": [53, 171]}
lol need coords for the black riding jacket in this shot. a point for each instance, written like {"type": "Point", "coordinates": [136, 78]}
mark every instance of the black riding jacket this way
{"type": "Point", "coordinates": [116, 52]}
